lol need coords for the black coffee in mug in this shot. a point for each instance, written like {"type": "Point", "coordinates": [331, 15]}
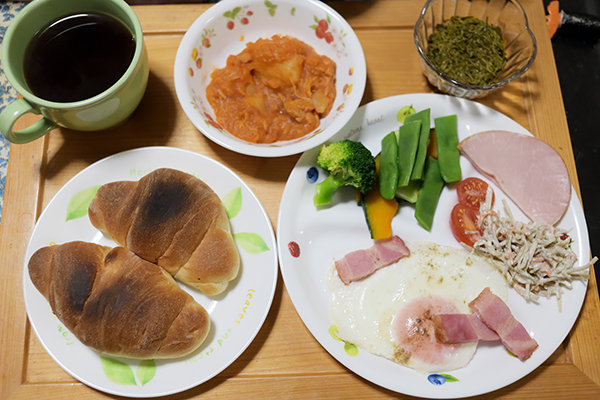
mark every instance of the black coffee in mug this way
{"type": "Point", "coordinates": [77, 57]}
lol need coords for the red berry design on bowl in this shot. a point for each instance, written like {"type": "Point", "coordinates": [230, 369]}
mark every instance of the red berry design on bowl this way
{"type": "Point", "coordinates": [211, 121]}
{"type": "Point", "coordinates": [206, 35]}
{"type": "Point", "coordinates": [238, 13]}
{"type": "Point", "coordinates": [322, 29]}
{"type": "Point", "coordinates": [199, 63]}
{"type": "Point", "coordinates": [328, 37]}
{"type": "Point", "coordinates": [320, 33]}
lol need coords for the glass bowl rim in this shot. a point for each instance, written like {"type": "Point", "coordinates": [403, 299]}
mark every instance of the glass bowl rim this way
{"type": "Point", "coordinates": [467, 86]}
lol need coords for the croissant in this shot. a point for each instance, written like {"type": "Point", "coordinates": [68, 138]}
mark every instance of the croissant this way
{"type": "Point", "coordinates": [174, 220]}
{"type": "Point", "coordinates": [117, 303]}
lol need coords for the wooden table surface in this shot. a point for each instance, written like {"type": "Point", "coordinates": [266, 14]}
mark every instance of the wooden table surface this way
{"type": "Point", "coordinates": [284, 360]}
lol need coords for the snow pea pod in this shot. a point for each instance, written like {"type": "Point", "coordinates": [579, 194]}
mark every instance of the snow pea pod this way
{"type": "Point", "coordinates": [429, 193]}
{"type": "Point", "coordinates": [409, 192]}
{"type": "Point", "coordinates": [447, 142]}
{"type": "Point", "coordinates": [388, 167]}
{"type": "Point", "coordinates": [408, 143]}
{"type": "Point", "coordinates": [423, 116]}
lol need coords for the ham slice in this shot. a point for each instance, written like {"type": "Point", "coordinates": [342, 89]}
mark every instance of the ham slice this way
{"type": "Point", "coordinates": [494, 312]}
{"type": "Point", "coordinates": [361, 263]}
{"type": "Point", "coordinates": [461, 328]}
{"type": "Point", "coordinates": [527, 169]}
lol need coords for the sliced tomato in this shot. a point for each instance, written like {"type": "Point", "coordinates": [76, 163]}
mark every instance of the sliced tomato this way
{"type": "Point", "coordinates": [471, 192]}
{"type": "Point", "coordinates": [463, 223]}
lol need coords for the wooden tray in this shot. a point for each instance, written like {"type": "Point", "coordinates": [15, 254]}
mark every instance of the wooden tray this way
{"type": "Point", "coordinates": [284, 361]}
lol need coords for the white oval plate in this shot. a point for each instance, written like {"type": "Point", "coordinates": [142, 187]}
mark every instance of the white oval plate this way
{"type": "Point", "coordinates": [236, 315]}
{"type": "Point", "coordinates": [225, 29]}
{"type": "Point", "coordinates": [327, 234]}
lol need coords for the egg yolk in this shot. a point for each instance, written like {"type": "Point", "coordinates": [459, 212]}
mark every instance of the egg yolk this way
{"type": "Point", "coordinates": [413, 331]}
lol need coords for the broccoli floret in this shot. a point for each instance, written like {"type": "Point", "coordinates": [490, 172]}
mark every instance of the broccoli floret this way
{"type": "Point", "coordinates": [348, 163]}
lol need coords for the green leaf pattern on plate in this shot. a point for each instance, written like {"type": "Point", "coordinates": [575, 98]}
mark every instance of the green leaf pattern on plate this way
{"type": "Point", "coordinates": [232, 202]}
{"type": "Point", "coordinates": [120, 373]}
{"type": "Point", "coordinates": [252, 243]}
{"type": "Point", "coordinates": [232, 14]}
{"type": "Point", "coordinates": [349, 348]}
{"type": "Point", "coordinates": [117, 371]}
{"type": "Point", "coordinates": [449, 378]}
{"type": "Point", "coordinates": [78, 205]}
{"type": "Point", "coordinates": [510, 353]}
{"type": "Point", "coordinates": [146, 371]}
{"type": "Point", "coordinates": [272, 7]}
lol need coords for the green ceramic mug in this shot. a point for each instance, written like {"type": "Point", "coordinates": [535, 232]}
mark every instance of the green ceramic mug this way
{"type": "Point", "coordinates": [102, 111]}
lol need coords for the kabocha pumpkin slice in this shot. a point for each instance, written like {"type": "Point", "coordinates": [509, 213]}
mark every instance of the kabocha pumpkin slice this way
{"type": "Point", "coordinates": [378, 210]}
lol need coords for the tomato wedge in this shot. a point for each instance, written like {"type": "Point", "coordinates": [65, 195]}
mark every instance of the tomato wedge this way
{"type": "Point", "coordinates": [463, 223]}
{"type": "Point", "coordinates": [471, 192]}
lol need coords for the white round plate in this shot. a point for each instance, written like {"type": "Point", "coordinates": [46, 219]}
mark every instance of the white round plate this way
{"type": "Point", "coordinates": [225, 29]}
{"type": "Point", "coordinates": [324, 235]}
{"type": "Point", "coordinates": [236, 315]}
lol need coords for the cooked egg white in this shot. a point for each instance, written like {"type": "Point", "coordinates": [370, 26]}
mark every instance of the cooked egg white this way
{"type": "Point", "coordinates": [388, 313]}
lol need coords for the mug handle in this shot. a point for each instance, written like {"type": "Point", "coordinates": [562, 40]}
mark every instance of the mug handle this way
{"type": "Point", "coordinates": [13, 112]}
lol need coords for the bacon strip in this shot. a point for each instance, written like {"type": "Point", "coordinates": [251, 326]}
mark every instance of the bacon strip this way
{"type": "Point", "coordinates": [461, 328]}
{"type": "Point", "coordinates": [361, 263]}
{"type": "Point", "coordinates": [494, 312]}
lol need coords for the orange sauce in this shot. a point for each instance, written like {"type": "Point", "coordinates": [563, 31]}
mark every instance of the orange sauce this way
{"type": "Point", "coordinates": [277, 89]}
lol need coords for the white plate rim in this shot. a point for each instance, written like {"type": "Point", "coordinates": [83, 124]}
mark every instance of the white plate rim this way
{"type": "Point", "coordinates": [360, 125]}
{"type": "Point", "coordinates": [174, 159]}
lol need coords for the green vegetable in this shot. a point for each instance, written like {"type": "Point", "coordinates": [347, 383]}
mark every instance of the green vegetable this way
{"type": "Point", "coordinates": [447, 141]}
{"type": "Point", "coordinates": [423, 116]}
{"type": "Point", "coordinates": [388, 168]}
{"type": "Point", "coordinates": [429, 194]}
{"type": "Point", "coordinates": [467, 50]}
{"type": "Point", "coordinates": [408, 143]}
{"type": "Point", "coordinates": [409, 192]}
{"type": "Point", "coordinates": [348, 163]}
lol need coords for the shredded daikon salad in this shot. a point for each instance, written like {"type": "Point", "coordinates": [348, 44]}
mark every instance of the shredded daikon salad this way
{"type": "Point", "coordinates": [535, 259]}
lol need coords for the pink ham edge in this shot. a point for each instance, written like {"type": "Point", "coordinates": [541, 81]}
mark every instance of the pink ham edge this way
{"type": "Point", "coordinates": [494, 312]}
{"type": "Point", "coordinates": [361, 263]}
{"type": "Point", "coordinates": [461, 328]}
{"type": "Point", "coordinates": [527, 169]}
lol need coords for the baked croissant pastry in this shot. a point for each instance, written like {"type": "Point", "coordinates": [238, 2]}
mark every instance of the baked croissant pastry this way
{"type": "Point", "coordinates": [117, 303]}
{"type": "Point", "coordinates": [172, 219]}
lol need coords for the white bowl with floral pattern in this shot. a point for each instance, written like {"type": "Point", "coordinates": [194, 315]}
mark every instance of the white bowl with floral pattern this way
{"type": "Point", "coordinates": [225, 29]}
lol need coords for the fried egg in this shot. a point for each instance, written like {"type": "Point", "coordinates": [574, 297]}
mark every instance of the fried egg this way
{"type": "Point", "coordinates": [389, 313]}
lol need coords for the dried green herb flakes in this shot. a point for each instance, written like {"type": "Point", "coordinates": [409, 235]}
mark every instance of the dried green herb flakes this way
{"type": "Point", "coordinates": [468, 50]}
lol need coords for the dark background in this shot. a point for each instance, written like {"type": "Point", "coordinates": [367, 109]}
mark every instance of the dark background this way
{"type": "Point", "coordinates": [578, 63]}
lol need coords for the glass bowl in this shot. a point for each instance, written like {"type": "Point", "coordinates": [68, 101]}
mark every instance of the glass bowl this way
{"type": "Point", "coordinates": [509, 15]}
